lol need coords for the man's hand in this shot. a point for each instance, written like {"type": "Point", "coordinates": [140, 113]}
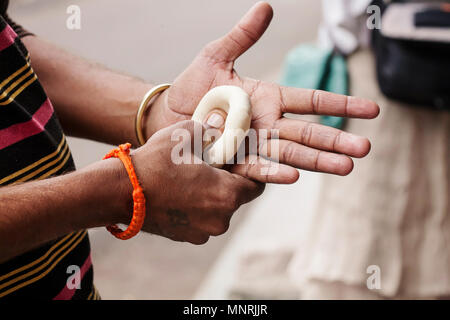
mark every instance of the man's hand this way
{"type": "Point", "coordinates": [302, 144]}
{"type": "Point", "coordinates": [187, 202]}
{"type": "Point", "coordinates": [73, 86]}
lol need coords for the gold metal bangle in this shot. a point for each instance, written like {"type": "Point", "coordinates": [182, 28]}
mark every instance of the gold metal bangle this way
{"type": "Point", "coordinates": [143, 106]}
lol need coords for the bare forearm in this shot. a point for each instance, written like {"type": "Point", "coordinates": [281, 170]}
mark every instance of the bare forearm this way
{"type": "Point", "coordinates": [36, 212]}
{"type": "Point", "coordinates": [91, 101]}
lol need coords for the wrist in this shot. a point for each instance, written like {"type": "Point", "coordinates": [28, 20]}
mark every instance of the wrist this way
{"type": "Point", "coordinates": [122, 205]}
{"type": "Point", "coordinates": [138, 95]}
{"type": "Point", "coordinates": [112, 199]}
{"type": "Point", "coordinates": [151, 119]}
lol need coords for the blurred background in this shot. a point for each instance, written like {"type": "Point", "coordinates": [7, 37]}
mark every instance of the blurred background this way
{"type": "Point", "coordinates": [156, 40]}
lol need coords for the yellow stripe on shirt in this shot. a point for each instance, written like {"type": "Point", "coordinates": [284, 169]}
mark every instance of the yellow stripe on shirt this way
{"type": "Point", "coordinates": [49, 173]}
{"type": "Point", "coordinates": [15, 74]}
{"type": "Point", "coordinates": [46, 166]}
{"type": "Point", "coordinates": [42, 266]}
{"type": "Point", "coordinates": [43, 274]}
{"type": "Point", "coordinates": [35, 164]}
{"type": "Point", "coordinates": [15, 84]}
{"type": "Point", "coordinates": [18, 91]}
{"type": "Point", "coordinates": [31, 264]}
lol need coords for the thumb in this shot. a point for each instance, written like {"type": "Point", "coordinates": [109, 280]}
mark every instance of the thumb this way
{"type": "Point", "coordinates": [243, 35]}
{"type": "Point", "coordinates": [215, 119]}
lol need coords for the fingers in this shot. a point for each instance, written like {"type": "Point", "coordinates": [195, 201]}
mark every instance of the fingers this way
{"type": "Point", "coordinates": [189, 125]}
{"type": "Point", "coordinates": [212, 224]}
{"type": "Point", "coordinates": [247, 190]}
{"type": "Point", "coordinates": [240, 190]}
{"type": "Point", "coordinates": [305, 101]}
{"type": "Point", "coordinates": [230, 192]}
{"type": "Point", "coordinates": [216, 119]}
{"type": "Point", "coordinates": [243, 35]}
{"type": "Point", "coordinates": [323, 137]}
{"type": "Point", "coordinates": [303, 157]}
{"type": "Point", "coordinates": [188, 235]}
{"type": "Point", "coordinates": [265, 171]}
{"type": "Point", "coordinates": [182, 228]}
{"type": "Point", "coordinates": [186, 130]}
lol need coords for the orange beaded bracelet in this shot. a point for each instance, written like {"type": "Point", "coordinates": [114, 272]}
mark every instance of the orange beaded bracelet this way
{"type": "Point", "coordinates": [123, 153]}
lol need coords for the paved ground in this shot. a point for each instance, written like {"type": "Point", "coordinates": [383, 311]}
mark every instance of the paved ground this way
{"type": "Point", "coordinates": [155, 40]}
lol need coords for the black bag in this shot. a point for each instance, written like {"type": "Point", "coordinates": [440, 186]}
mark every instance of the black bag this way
{"type": "Point", "coordinates": [416, 72]}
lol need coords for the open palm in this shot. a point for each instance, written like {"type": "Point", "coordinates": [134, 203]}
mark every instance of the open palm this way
{"type": "Point", "coordinates": [302, 144]}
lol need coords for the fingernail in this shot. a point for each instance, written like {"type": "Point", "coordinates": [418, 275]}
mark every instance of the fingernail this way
{"type": "Point", "coordinates": [215, 120]}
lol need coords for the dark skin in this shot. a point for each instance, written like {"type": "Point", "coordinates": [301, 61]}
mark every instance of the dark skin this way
{"type": "Point", "coordinates": [100, 195]}
{"type": "Point", "coordinates": [187, 202]}
{"type": "Point", "coordinates": [193, 213]}
{"type": "Point", "coordinates": [303, 145]}
{"type": "Point", "coordinates": [177, 218]}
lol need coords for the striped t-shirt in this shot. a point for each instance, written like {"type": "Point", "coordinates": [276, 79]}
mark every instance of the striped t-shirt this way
{"type": "Point", "coordinates": [33, 147]}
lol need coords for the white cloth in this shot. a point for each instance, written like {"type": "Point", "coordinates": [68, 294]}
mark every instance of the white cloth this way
{"type": "Point", "coordinates": [344, 25]}
{"type": "Point", "coordinates": [393, 211]}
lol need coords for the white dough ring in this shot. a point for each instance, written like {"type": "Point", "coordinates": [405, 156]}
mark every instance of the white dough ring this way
{"type": "Point", "coordinates": [236, 103]}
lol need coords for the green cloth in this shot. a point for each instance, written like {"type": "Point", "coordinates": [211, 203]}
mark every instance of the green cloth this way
{"type": "Point", "coordinates": [308, 66]}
